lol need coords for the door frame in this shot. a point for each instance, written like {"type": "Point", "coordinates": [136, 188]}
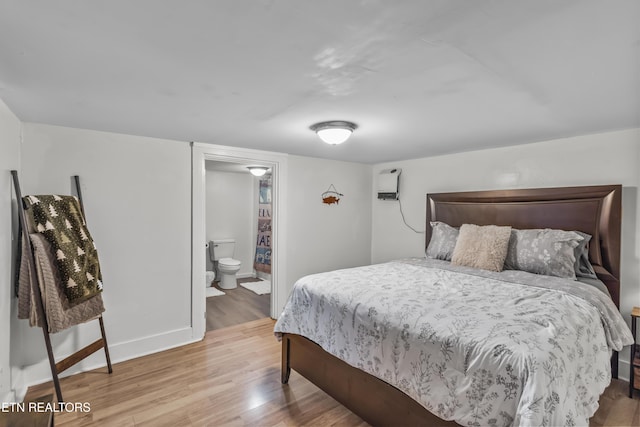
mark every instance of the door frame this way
{"type": "Point", "coordinates": [201, 152]}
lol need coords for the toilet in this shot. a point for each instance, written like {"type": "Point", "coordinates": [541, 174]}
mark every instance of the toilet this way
{"type": "Point", "coordinates": [227, 267]}
{"type": "Point", "coordinates": [210, 274]}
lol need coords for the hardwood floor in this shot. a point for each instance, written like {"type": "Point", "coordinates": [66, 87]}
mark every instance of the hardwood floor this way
{"type": "Point", "coordinates": [230, 378]}
{"type": "Point", "coordinates": [616, 409]}
{"type": "Point", "coordinates": [237, 306]}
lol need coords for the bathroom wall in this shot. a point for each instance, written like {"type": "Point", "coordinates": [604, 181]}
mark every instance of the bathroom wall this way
{"type": "Point", "coordinates": [231, 209]}
{"type": "Point", "coordinates": [231, 212]}
{"type": "Point", "coordinates": [10, 129]}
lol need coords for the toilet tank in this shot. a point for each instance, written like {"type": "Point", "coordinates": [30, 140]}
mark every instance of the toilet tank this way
{"type": "Point", "coordinates": [223, 248]}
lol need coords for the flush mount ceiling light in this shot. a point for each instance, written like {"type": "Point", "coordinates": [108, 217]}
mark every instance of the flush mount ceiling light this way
{"type": "Point", "coordinates": [334, 132]}
{"type": "Point", "coordinates": [257, 170]}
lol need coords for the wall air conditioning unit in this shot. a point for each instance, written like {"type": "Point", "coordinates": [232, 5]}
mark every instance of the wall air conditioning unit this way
{"type": "Point", "coordinates": [389, 184]}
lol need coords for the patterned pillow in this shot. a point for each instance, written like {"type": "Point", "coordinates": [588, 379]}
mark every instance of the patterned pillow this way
{"type": "Point", "coordinates": [482, 247]}
{"type": "Point", "coordinates": [443, 241]}
{"type": "Point", "coordinates": [582, 266]}
{"type": "Point", "coordinates": [544, 251]}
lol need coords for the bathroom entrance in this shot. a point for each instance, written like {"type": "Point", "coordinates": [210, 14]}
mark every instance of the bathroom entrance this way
{"type": "Point", "coordinates": [277, 163]}
{"type": "Point", "coordinates": [238, 210]}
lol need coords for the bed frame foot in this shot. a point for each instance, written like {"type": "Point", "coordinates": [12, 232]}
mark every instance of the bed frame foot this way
{"type": "Point", "coordinates": [286, 367]}
{"type": "Point", "coordinates": [614, 365]}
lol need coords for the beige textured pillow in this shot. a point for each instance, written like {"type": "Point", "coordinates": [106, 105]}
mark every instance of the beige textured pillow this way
{"type": "Point", "coordinates": [482, 247]}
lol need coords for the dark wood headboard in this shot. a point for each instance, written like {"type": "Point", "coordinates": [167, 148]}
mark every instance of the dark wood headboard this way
{"type": "Point", "coordinates": [595, 210]}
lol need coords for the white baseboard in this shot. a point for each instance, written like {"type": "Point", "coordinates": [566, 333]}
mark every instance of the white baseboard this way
{"type": "Point", "coordinates": [18, 383]}
{"type": "Point", "coordinates": [245, 275]}
{"type": "Point", "coordinates": [40, 372]}
{"type": "Point", "coordinates": [8, 397]}
{"type": "Point", "coordinates": [263, 276]}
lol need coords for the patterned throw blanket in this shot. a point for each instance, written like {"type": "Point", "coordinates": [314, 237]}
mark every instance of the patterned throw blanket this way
{"type": "Point", "coordinates": [59, 313]}
{"type": "Point", "coordinates": [59, 219]}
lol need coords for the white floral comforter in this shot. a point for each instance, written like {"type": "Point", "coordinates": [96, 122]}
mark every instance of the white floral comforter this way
{"type": "Point", "coordinates": [469, 345]}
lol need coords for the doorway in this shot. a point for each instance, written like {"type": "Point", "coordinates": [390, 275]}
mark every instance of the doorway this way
{"type": "Point", "coordinates": [238, 227]}
{"type": "Point", "coordinates": [235, 156]}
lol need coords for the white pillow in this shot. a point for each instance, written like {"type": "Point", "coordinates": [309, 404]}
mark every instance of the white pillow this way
{"type": "Point", "coordinates": [483, 247]}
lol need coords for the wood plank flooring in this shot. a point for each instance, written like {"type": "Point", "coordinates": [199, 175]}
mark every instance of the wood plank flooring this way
{"type": "Point", "coordinates": [237, 306]}
{"type": "Point", "coordinates": [231, 378]}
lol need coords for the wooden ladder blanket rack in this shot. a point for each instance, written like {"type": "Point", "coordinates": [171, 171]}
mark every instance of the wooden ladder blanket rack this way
{"type": "Point", "coordinates": [56, 367]}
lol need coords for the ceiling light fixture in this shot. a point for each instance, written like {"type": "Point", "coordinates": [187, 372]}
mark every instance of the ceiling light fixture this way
{"type": "Point", "coordinates": [257, 170]}
{"type": "Point", "coordinates": [334, 132]}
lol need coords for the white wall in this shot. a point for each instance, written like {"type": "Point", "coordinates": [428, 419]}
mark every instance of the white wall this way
{"type": "Point", "coordinates": [231, 206]}
{"type": "Point", "coordinates": [137, 194]}
{"type": "Point", "coordinates": [327, 237]}
{"type": "Point", "coordinates": [9, 160]}
{"type": "Point", "coordinates": [608, 158]}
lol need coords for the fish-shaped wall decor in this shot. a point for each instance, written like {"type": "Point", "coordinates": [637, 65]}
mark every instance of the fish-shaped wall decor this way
{"type": "Point", "coordinates": [329, 200]}
{"type": "Point", "coordinates": [331, 196]}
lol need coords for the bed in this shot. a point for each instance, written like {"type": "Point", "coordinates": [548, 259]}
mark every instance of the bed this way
{"type": "Point", "coordinates": [461, 344]}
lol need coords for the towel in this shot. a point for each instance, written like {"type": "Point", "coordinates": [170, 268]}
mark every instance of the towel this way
{"type": "Point", "coordinates": [59, 219]}
{"type": "Point", "coordinates": [59, 312]}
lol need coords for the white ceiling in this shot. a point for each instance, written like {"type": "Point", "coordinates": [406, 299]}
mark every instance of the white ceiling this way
{"type": "Point", "coordinates": [419, 77]}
